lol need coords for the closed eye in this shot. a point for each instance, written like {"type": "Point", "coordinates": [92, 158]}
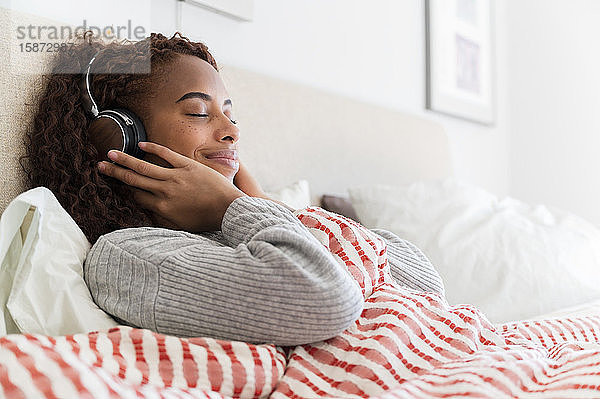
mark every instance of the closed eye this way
{"type": "Point", "coordinates": [206, 115]}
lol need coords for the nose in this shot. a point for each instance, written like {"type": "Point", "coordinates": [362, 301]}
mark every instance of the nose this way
{"type": "Point", "coordinates": [227, 131]}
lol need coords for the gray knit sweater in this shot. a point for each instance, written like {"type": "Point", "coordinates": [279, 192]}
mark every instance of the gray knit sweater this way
{"type": "Point", "coordinates": [264, 278]}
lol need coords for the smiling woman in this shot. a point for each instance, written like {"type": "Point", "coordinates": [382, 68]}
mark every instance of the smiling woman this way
{"type": "Point", "coordinates": [185, 241]}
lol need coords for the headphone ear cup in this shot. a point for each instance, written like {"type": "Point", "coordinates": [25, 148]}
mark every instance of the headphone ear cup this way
{"type": "Point", "coordinates": [118, 129]}
{"type": "Point", "coordinates": [105, 134]}
{"type": "Point", "coordinates": [134, 133]}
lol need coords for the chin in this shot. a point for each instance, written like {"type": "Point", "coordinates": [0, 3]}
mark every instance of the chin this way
{"type": "Point", "coordinates": [229, 175]}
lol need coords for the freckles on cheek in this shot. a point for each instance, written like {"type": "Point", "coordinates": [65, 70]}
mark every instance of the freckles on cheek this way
{"type": "Point", "coordinates": [186, 129]}
{"type": "Point", "coordinates": [181, 129]}
{"type": "Point", "coordinates": [189, 140]}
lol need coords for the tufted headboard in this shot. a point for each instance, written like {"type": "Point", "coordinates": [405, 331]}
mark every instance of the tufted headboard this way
{"type": "Point", "coordinates": [288, 132]}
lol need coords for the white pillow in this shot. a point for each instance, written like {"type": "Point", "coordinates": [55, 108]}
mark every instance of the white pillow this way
{"type": "Point", "coordinates": [41, 277]}
{"type": "Point", "coordinates": [512, 260]}
{"type": "Point", "coordinates": [296, 195]}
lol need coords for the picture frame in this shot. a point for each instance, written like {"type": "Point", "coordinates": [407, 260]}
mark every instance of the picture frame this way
{"type": "Point", "coordinates": [460, 59]}
{"type": "Point", "coordinates": [241, 10]}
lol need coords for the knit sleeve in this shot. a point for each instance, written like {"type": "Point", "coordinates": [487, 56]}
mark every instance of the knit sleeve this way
{"type": "Point", "coordinates": [273, 282]}
{"type": "Point", "coordinates": [409, 266]}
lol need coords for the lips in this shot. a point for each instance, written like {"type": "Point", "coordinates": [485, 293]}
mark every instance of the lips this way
{"type": "Point", "coordinates": [227, 158]}
{"type": "Point", "coordinates": [222, 154]}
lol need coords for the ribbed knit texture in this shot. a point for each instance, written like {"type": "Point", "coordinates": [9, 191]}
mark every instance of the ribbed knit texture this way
{"type": "Point", "coordinates": [409, 266]}
{"type": "Point", "coordinates": [263, 279]}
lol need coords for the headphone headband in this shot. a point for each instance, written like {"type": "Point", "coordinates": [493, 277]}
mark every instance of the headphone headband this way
{"type": "Point", "coordinates": [94, 109]}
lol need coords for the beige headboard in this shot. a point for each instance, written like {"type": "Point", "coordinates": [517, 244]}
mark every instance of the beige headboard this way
{"type": "Point", "coordinates": [17, 96]}
{"type": "Point", "coordinates": [288, 132]}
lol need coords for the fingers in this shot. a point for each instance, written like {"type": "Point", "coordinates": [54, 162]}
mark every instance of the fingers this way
{"type": "Point", "coordinates": [142, 167]}
{"type": "Point", "coordinates": [172, 157]}
{"type": "Point", "coordinates": [130, 177]}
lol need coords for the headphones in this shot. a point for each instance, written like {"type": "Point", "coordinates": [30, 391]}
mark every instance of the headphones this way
{"type": "Point", "coordinates": [124, 123]}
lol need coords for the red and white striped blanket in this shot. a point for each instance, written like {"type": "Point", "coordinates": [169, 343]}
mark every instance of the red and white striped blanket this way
{"type": "Point", "coordinates": [405, 344]}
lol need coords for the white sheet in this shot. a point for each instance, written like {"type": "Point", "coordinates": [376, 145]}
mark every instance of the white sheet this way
{"type": "Point", "coordinates": [41, 285]}
{"type": "Point", "coordinates": [591, 308]}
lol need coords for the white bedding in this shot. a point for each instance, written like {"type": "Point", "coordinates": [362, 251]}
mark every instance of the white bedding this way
{"type": "Point", "coordinates": [591, 308]}
{"type": "Point", "coordinates": [41, 276]}
{"type": "Point", "coordinates": [512, 260]}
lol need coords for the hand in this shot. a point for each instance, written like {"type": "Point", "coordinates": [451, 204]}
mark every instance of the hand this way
{"type": "Point", "coordinates": [190, 196]}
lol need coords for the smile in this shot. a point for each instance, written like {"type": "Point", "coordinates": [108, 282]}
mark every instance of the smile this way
{"type": "Point", "coordinates": [232, 163]}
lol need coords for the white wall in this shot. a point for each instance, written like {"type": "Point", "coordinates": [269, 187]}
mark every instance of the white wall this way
{"type": "Point", "coordinates": [373, 51]}
{"type": "Point", "coordinates": [554, 77]}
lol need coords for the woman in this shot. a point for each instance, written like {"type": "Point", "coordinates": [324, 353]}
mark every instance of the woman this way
{"type": "Point", "coordinates": [185, 241]}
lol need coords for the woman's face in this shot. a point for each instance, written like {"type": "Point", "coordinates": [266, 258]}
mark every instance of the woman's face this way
{"type": "Point", "coordinates": [191, 114]}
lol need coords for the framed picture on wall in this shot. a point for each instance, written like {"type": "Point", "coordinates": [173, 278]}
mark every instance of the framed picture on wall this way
{"type": "Point", "coordinates": [241, 10]}
{"type": "Point", "coordinates": [460, 59]}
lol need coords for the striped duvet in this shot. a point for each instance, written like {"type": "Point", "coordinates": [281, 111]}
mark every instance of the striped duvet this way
{"type": "Point", "coordinates": [405, 344]}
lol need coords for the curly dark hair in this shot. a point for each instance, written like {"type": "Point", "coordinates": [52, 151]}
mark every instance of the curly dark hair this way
{"type": "Point", "coordinates": [59, 155]}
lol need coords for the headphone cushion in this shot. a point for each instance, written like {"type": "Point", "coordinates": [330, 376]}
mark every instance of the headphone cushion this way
{"type": "Point", "coordinates": [132, 128]}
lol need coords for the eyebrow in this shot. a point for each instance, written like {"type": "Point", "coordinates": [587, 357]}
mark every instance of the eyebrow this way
{"type": "Point", "coordinates": [198, 94]}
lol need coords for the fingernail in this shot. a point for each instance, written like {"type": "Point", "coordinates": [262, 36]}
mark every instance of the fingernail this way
{"type": "Point", "coordinates": [112, 155]}
{"type": "Point", "coordinates": [142, 144]}
{"type": "Point", "coordinates": [101, 166]}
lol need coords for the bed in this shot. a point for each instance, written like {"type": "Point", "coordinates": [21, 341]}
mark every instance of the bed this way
{"type": "Point", "coordinates": [394, 169]}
